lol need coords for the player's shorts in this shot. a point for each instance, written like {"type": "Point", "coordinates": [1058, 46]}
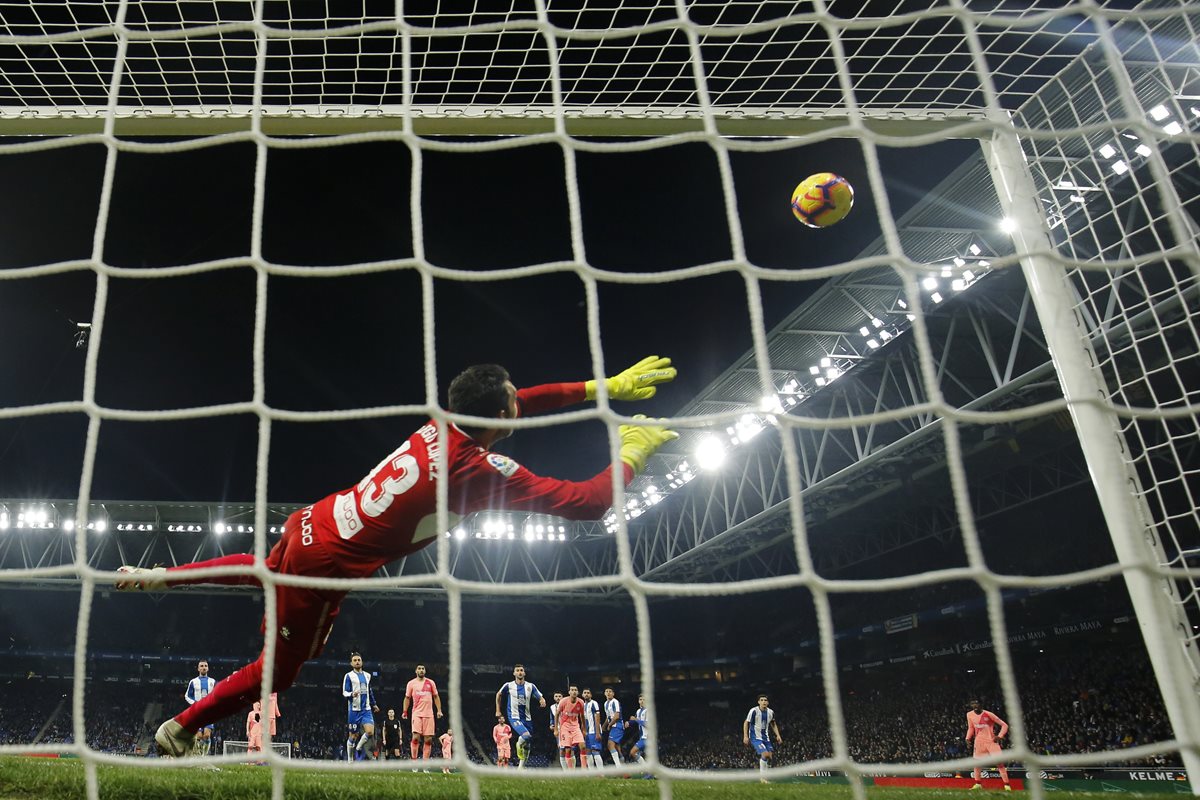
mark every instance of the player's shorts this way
{"type": "Point", "coordinates": [520, 728]}
{"type": "Point", "coordinates": [641, 745]}
{"type": "Point", "coordinates": [503, 752]}
{"type": "Point", "coordinates": [616, 733]}
{"type": "Point", "coordinates": [988, 749]}
{"type": "Point", "coordinates": [592, 742]}
{"type": "Point", "coordinates": [255, 742]}
{"type": "Point", "coordinates": [569, 737]}
{"type": "Point", "coordinates": [422, 726]}
{"type": "Point", "coordinates": [305, 616]}
{"type": "Point", "coordinates": [761, 745]}
{"type": "Point", "coordinates": [356, 719]}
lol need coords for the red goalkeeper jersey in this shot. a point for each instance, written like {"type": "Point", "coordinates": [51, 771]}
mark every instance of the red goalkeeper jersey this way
{"type": "Point", "coordinates": [393, 510]}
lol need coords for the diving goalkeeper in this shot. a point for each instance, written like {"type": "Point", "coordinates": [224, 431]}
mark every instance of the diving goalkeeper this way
{"type": "Point", "coordinates": [392, 512]}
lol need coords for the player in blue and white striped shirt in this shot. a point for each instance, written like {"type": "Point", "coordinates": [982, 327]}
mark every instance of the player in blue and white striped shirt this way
{"type": "Point", "coordinates": [613, 724]}
{"type": "Point", "coordinates": [198, 689]}
{"type": "Point", "coordinates": [757, 729]}
{"type": "Point", "coordinates": [591, 730]}
{"type": "Point", "coordinates": [360, 703]}
{"type": "Point", "coordinates": [639, 718]}
{"type": "Point", "coordinates": [512, 704]}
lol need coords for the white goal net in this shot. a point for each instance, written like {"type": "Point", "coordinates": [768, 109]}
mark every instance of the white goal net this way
{"type": "Point", "coordinates": [531, 144]}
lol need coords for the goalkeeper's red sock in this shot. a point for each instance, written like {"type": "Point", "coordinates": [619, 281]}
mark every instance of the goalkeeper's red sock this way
{"type": "Point", "coordinates": [235, 560]}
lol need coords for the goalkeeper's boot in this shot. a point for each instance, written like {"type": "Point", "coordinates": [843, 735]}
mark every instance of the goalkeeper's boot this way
{"type": "Point", "coordinates": [173, 740]}
{"type": "Point", "coordinates": [147, 579]}
{"type": "Point", "coordinates": [1008, 787]}
{"type": "Point", "coordinates": [977, 786]}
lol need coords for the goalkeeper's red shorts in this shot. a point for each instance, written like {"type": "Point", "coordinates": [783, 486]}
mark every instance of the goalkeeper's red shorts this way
{"type": "Point", "coordinates": [305, 616]}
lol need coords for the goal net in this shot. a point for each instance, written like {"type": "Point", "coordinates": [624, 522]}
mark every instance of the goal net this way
{"type": "Point", "coordinates": [231, 748]}
{"type": "Point", "coordinates": [503, 147]}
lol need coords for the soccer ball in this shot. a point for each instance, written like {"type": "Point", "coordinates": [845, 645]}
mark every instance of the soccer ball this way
{"type": "Point", "coordinates": [822, 199]}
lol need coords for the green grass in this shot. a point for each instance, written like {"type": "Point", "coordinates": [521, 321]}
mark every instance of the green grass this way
{"type": "Point", "coordinates": [37, 779]}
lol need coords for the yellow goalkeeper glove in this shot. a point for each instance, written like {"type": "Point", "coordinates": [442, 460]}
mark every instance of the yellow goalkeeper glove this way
{"type": "Point", "coordinates": [639, 442]}
{"type": "Point", "coordinates": [637, 382]}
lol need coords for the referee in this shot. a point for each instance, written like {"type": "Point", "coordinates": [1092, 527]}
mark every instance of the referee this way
{"type": "Point", "coordinates": [392, 735]}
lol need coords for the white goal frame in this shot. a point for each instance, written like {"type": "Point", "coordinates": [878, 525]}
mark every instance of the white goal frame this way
{"type": "Point", "coordinates": [233, 747]}
{"type": "Point", "coordinates": [1141, 555]}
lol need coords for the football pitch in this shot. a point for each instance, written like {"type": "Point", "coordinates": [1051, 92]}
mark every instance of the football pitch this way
{"type": "Point", "coordinates": [30, 778]}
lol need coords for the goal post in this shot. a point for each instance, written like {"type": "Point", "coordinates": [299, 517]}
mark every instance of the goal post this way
{"type": "Point", "coordinates": [236, 748]}
{"type": "Point", "coordinates": [753, 77]}
{"type": "Point", "coordinates": [1164, 624]}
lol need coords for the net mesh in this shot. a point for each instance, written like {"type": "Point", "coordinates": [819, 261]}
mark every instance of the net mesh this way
{"type": "Point", "coordinates": [1079, 78]}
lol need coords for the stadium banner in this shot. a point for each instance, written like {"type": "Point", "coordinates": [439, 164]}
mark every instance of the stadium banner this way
{"type": "Point", "coordinates": [1136, 781]}
{"type": "Point", "coordinates": [898, 624]}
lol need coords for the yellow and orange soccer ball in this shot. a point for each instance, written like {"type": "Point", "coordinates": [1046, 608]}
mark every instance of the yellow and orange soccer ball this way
{"type": "Point", "coordinates": [822, 200]}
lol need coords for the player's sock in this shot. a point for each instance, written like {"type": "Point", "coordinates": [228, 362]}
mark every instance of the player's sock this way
{"type": "Point", "coordinates": [640, 760]}
{"type": "Point", "coordinates": [349, 749]}
{"type": "Point", "coordinates": [362, 740]}
{"type": "Point", "coordinates": [428, 750]}
{"type": "Point", "coordinates": [762, 765]}
{"type": "Point", "coordinates": [597, 760]}
{"type": "Point", "coordinates": [562, 761]}
{"type": "Point", "coordinates": [616, 755]}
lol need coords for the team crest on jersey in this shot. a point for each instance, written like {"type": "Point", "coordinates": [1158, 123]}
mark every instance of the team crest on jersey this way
{"type": "Point", "coordinates": [503, 464]}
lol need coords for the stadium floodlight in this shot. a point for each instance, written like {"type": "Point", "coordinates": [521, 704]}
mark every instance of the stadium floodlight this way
{"type": "Point", "coordinates": [864, 330]}
{"type": "Point", "coordinates": [959, 262]}
{"type": "Point", "coordinates": [820, 381]}
{"type": "Point", "coordinates": [1120, 167]}
{"type": "Point", "coordinates": [815, 370]}
{"type": "Point", "coordinates": [957, 285]}
{"type": "Point", "coordinates": [100, 526]}
{"type": "Point", "coordinates": [936, 297]}
{"type": "Point", "coordinates": [749, 426]}
{"type": "Point", "coordinates": [1159, 113]}
{"type": "Point", "coordinates": [874, 345]}
{"type": "Point", "coordinates": [974, 249]}
{"type": "Point", "coordinates": [1173, 128]}
{"type": "Point", "coordinates": [1143, 150]}
{"type": "Point", "coordinates": [460, 533]}
{"type": "Point", "coordinates": [1008, 225]}
{"type": "Point", "coordinates": [900, 301]}
{"type": "Point", "coordinates": [877, 322]}
{"type": "Point", "coordinates": [710, 453]}
{"type": "Point", "coordinates": [885, 335]}
{"type": "Point", "coordinates": [826, 362]}
{"type": "Point", "coordinates": [791, 386]}
{"type": "Point", "coordinates": [540, 529]}
{"type": "Point", "coordinates": [219, 528]}
{"type": "Point", "coordinates": [930, 284]}
{"type": "Point", "coordinates": [3, 522]}
{"type": "Point", "coordinates": [833, 373]}
{"type": "Point", "coordinates": [528, 535]}
{"type": "Point", "coordinates": [651, 489]}
{"type": "Point", "coordinates": [1107, 151]}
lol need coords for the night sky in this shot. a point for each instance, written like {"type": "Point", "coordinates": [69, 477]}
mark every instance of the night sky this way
{"type": "Point", "coordinates": [356, 342]}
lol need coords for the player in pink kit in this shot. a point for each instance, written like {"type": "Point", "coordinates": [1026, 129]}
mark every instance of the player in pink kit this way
{"type": "Point", "coordinates": [980, 728]}
{"type": "Point", "coordinates": [570, 735]}
{"type": "Point", "coordinates": [447, 741]}
{"type": "Point", "coordinates": [254, 729]}
{"type": "Point", "coordinates": [422, 695]}
{"type": "Point", "coordinates": [392, 512]}
{"type": "Point", "coordinates": [502, 736]}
